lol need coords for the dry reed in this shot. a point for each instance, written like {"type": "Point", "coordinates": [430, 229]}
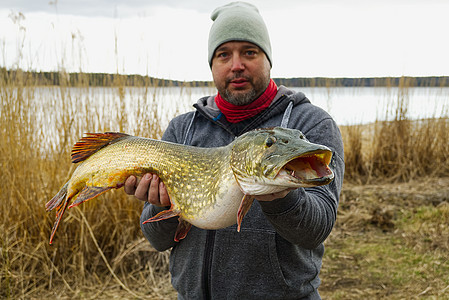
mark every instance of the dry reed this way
{"type": "Point", "coordinates": [99, 244]}
{"type": "Point", "coordinates": [397, 148]}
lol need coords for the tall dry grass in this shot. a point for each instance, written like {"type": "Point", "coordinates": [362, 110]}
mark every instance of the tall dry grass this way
{"type": "Point", "coordinates": [396, 147]}
{"type": "Point", "coordinates": [98, 245]}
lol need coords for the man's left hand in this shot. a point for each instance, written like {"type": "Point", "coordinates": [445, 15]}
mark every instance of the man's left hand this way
{"type": "Point", "coordinates": [273, 196]}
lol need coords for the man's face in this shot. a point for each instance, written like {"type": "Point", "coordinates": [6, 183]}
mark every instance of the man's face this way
{"type": "Point", "coordinates": [241, 72]}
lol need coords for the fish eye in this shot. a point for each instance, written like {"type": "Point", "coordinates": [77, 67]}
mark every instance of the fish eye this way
{"type": "Point", "coordinates": [270, 141]}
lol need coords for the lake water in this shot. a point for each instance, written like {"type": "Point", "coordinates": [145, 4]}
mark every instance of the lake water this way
{"type": "Point", "coordinates": [361, 105]}
{"type": "Point", "coordinates": [136, 107]}
{"type": "Point", "coordinates": [348, 106]}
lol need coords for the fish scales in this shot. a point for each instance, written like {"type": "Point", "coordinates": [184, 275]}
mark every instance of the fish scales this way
{"type": "Point", "coordinates": [189, 173]}
{"type": "Point", "coordinates": [210, 188]}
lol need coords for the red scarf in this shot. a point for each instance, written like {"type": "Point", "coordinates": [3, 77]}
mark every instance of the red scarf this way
{"type": "Point", "coordinates": [237, 113]}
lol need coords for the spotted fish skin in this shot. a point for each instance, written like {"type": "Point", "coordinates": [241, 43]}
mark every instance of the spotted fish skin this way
{"type": "Point", "coordinates": [210, 188]}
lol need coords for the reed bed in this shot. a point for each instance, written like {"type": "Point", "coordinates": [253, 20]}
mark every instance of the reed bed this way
{"type": "Point", "coordinates": [99, 247]}
{"type": "Point", "coordinates": [397, 148]}
{"type": "Point", "coordinates": [99, 244]}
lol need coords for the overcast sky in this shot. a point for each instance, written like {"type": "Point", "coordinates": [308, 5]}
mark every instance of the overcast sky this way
{"type": "Point", "coordinates": [168, 38]}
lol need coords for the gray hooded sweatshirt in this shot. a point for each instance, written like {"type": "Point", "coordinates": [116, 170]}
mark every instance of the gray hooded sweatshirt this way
{"type": "Point", "coordinates": [278, 252]}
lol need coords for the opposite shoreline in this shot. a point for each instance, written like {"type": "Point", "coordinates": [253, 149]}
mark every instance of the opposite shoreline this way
{"type": "Point", "coordinates": [109, 80]}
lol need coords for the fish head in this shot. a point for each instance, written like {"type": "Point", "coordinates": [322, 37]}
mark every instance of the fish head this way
{"type": "Point", "coordinates": [270, 160]}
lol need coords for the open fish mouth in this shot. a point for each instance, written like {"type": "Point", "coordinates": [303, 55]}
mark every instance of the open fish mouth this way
{"type": "Point", "coordinates": [309, 169]}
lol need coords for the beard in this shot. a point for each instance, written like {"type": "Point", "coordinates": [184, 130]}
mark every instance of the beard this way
{"type": "Point", "coordinates": [241, 97]}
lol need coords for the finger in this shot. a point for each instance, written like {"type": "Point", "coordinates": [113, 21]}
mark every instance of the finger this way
{"type": "Point", "coordinates": [130, 185]}
{"type": "Point", "coordinates": [153, 191]}
{"type": "Point", "coordinates": [142, 187]}
{"type": "Point", "coordinates": [273, 196]}
{"type": "Point", "coordinates": [163, 195]}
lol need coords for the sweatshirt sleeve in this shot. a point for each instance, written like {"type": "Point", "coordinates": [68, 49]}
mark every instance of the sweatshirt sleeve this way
{"type": "Point", "coordinates": [306, 216]}
{"type": "Point", "coordinates": [160, 234]}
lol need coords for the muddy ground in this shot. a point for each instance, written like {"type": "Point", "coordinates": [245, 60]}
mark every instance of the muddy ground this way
{"type": "Point", "coordinates": [391, 241]}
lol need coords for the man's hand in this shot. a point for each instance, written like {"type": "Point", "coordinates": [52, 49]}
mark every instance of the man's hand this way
{"type": "Point", "coordinates": [273, 196]}
{"type": "Point", "coordinates": [149, 188]}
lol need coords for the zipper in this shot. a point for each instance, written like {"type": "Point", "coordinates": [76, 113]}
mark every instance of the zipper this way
{"type": "Point", "coordinates": [207, 264]}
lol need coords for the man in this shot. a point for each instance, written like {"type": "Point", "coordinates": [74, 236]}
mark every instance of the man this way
{"type": "Point", "coordinates": [278, 252]}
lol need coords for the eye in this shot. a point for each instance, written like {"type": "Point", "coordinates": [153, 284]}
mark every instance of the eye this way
{"type": "Point", "coordinates": [222, 54]}
{"type": "Point", "coordinates": [270, 141]}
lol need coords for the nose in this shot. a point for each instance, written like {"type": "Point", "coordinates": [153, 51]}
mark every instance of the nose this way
{"type": "Point", "coordinates": [237, 64]}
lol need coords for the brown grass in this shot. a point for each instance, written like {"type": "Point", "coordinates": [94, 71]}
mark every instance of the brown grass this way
{"type": "Point", "coordinates": [391, 241]}
{"type": "Point", "coordinates": [99, 245]}
{"type": "Point", "coordinates": [99, 250]}
{"type": "Point", "coordinates": [397, 148]}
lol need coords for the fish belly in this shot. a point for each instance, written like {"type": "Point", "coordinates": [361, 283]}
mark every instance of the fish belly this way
{"type": "Point", "coordinates": [224, 212]}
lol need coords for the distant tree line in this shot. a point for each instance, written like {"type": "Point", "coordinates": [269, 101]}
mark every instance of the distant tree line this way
{"type": "Point", "coordinates": [442, 81]}
{"type": "Point", "coordinates": [90, 79]}
{"type": "Point", "coordinates": [109, 80]}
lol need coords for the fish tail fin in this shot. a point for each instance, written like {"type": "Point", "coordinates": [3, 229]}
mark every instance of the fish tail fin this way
{"type": "Point", "coordinates": [58, 198]}
{"type": "Point", "coordinates": [60, 202]}
{"type": "Point", "coordinates": [59, 212]}
{"type": "Point", "coordinates": [93, 142]}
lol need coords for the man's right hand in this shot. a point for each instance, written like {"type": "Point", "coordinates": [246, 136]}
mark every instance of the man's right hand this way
{"type": "Point", "coordinates": [149, 188]}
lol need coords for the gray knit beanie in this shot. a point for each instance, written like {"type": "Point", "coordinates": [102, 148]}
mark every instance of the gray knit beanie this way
{"type": "Point", "coordinates": [238, 21]}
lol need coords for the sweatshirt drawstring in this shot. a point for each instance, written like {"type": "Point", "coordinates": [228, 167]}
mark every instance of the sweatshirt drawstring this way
{"type": "Point", "coordinates": [286, 116]}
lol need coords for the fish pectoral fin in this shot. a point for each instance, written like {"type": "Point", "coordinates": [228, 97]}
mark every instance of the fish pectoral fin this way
{"type": "Point", "coordinates": [182, 230]}
{"type": "Point", "coordinates": [163, 215]}
{"type": "Point", "coordinates": [89, 192]}
{"type": "Point", "coordinates": [245, 205]}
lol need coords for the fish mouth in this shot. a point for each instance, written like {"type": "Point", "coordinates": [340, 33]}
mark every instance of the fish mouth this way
{"type": "Point", "coordinates": [309, 169]}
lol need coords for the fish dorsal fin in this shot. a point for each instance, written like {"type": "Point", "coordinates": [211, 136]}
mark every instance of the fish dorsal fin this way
{"type": "Point", "coordinates": [93, 142]}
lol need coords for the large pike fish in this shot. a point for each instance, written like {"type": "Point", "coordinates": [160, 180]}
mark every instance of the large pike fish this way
{"type": "Point", "coordinates": [210, 188]}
